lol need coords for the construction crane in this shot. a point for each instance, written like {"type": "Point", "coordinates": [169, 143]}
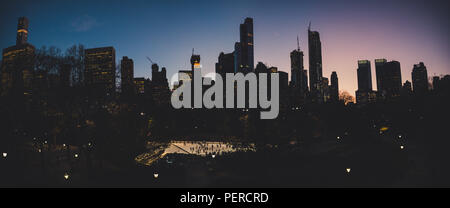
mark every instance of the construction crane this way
{"type": "Point", "coordinates": [150, 60]}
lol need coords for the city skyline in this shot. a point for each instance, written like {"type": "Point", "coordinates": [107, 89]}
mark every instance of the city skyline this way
{"type": "Point", "coordinates": [272, 42]}
{"type": "Point", "coordinates": [85, 98]}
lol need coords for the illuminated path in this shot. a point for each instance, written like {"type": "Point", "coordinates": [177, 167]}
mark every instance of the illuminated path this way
{"type": "Point", "coordinates": [190, 148]}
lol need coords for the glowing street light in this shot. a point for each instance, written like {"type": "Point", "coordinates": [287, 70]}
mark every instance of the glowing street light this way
{"type": "Point", "coordinates": [66, 176]}
{"type": "Point", "coordinates": [5, 154]}
{"type": "Point", "coordinates": [338, 137]}
{"type": "Point", "coordinates": [76, 155]}
{"type": "Point", "coordinates": [402, 147]}
{"type": "Point", "coordinates": [155, 175]}
{"type": "Point", "coordinates": [348, 170]}
{"type": "Point", "coordinates": [213, 156]}
{"type": "Point", "coordinates": [64, 145]}
{"type": "Point", "coordinates": [39, 150]}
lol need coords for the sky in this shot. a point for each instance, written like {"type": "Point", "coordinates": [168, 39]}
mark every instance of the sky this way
{"type": "Point", "coordinates": [410, 31]}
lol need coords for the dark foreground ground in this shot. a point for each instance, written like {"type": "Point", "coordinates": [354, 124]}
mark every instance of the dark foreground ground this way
{"type": "Point", "coordinates": [403, 144]}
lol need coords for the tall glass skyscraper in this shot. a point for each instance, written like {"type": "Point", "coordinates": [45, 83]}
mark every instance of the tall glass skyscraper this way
{"type": "Point", "coordinates": [244, 52]}
{"type": "Point", "coordinates": [315, 64]}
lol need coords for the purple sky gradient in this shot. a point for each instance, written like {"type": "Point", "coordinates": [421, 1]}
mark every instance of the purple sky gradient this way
{"type": "Point", "coordinates": [407, 31]}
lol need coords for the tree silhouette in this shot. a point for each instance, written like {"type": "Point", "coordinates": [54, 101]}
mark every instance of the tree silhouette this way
{"type": "Point", "coordinates": [346, 97]}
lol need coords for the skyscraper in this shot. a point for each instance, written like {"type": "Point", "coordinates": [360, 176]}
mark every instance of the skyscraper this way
{"type": "Point", "coordinates": [160, 86]}
{"type": "Point", "coordinates": [304, 80]}
{"type": "Point", "coordinates": [364, 72]}
{"type": "Point", "coordinates": [244, 48]}
{"type": "Point", "coordinates": [334, 87]}
{"type": "Point", "coordinates": [406, 89]}
{"type": "Point", "coordinates": [100, 69]}
{"type": "Point", "coordinates": [225, 64]}
{"type": "Point", "coordinates": [139, 85]}
{"type": "Point", "coordinates": [436, 80]}
{"type": "Point", "coordinates": [315, 65]}
{"type": "Point", "coordinates": [389, 79]}
{"type": "Point", "coordinates": [419, 79]}
{"type": "Point", "coordinates": [365, 93]}
{"type": "Point", "coordinates": [325, 90]}
{"type": "Point", "coordinates": [297, 71]}
{"type": "Point", "coordinates": [195, 61]}
{"type": "Point", "coordinates": [22, 31]}
{"type": "Point", "coordinates": [284, 85]}
{"type": "Point", "coordinates": [237, 57]}
{"type": "Point", "coordinates": [379, 66]}
{"type": "Point", "coordinates": [17, 63]}
{"type": "Point", "coordinates": [127, 75]}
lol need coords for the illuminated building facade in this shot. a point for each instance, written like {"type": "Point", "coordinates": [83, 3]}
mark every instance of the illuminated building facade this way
{"type": "Point", "coordinates": [244, 50]}
{"type": "Point", "coordinates": [18, 63]}
{"type": "Point", "coordinates": [100, 69]}
{"type": "Point", "coordinates": [195, 61]}
{"type": "Point", "coordinates": [139, 85]}
{"type": "Point", "coordinates": [22, 31]}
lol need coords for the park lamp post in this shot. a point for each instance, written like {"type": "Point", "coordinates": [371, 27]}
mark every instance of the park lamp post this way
{"type": "Point", "coordinates": [66, 176]}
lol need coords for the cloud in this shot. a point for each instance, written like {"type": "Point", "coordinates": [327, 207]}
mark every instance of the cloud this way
{"type": "Point", "coordinates": [83, 23]}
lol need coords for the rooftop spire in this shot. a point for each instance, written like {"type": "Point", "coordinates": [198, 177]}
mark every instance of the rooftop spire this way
{"type": "Point", "coordinates": [298, 44]}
